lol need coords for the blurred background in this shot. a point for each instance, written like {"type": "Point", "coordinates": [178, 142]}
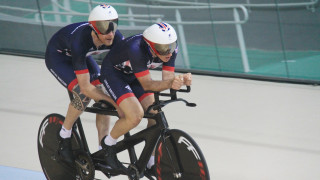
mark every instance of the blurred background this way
{"type": "Point", "coordinates": [275, 40]}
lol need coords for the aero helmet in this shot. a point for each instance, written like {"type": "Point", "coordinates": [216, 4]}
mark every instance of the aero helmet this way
{"type": "Point", "coordinates": [103, 19]}
{"type": "Point", "coordinates": [161, 38]}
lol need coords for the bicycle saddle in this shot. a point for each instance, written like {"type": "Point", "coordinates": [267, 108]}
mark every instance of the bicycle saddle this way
{"type": "Point", "coordinates": [105, 105]}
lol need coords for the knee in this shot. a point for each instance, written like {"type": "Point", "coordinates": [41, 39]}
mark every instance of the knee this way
{"type": "Point", "coordinates": [135, 118]}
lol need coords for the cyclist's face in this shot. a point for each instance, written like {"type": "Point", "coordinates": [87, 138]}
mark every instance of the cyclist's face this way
{"type": "Point", "coordinates": [165, 58]}
{"type": "Point", "coordinates": [107, 39]}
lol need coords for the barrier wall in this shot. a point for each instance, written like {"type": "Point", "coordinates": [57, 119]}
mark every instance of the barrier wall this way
{"type": "Point", "coordinates": [258, 39]}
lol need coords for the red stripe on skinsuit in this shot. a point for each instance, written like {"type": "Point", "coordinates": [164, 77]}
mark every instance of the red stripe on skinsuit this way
{"type": "Point", "coordinates": [72, 84]}
{"type": "Point", "coordinates": [124, 97]}
{"type": "Point", "coordinates": [143, 73]}
{"type": "Point", "coordinates": [82, 71]}
{"type": "Point", "coordinates": [168, 68]}
{"type": "Point", "coordinates": [144, 96]}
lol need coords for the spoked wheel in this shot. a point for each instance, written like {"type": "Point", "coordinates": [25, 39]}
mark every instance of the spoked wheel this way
{"type": "Point", "coordinates": [179, 157]}
{"type": "Point", "coordinates": [52, 166]}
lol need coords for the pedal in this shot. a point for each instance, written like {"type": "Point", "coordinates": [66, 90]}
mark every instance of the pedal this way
{"type": "Point", "coordinates": [133, 172]}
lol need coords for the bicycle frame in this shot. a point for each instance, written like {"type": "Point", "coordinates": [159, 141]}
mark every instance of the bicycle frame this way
{"type": "Point", "coordinates": [177, 155]}
{"type": "Point", "coordinates": [150, 135]}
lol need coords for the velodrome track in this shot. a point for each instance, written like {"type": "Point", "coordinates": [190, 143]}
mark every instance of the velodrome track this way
{"type": "Point", "coordinates": [247, 130]}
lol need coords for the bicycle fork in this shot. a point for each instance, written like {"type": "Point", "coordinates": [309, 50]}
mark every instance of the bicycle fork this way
{"type": "Point", "coordinates": [165, 136]}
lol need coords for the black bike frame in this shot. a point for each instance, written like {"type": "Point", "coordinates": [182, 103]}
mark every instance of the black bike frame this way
{"type": "Point", "coordinates": [150, 135]}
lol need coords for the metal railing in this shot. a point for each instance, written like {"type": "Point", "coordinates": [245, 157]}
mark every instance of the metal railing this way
{"type": "Point", "coordinates": [148, 19]}
{"type": "Point", "coordinates": [308, 4]}
{"type": "Point", "coordinates": [132, 19]}
{"type": "Point", "coordinates": [237, 21]}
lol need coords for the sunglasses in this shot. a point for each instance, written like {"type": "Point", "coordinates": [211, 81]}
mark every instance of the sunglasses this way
{"type": "Point", "coordinates": [105, 27]}
{"type": "Point", "coordinates": [165, 49]}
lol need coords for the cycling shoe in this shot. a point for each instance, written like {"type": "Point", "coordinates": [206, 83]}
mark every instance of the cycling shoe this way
{"type": "Point", "coordinates": [111, 158]}
{"type": "Point", "coordinates": [65, 150]}
{"type": "Point", "coordinates": [151, 171]}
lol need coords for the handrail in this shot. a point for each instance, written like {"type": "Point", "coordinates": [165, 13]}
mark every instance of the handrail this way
{"type": "Point", "coordinates": [241, 7]}
{"type": "Point", "coordinates": [309, 3]}
{"type": "Point", "coordinates": [78, 13]}
{"type": "Point", "coordinates": [220, 6]}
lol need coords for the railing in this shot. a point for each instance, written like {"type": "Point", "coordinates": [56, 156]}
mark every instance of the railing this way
{"type": "Point", "coordinates": [180, 23]}
{"type": "Point", "coordinates": [133, 18]}
{"type": "Point", "coordinates": [308, 4]}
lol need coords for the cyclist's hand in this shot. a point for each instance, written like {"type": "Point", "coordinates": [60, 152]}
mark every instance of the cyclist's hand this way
{"type": "Point", "coordinates": [177, 82]}
{"type": "Point", "coordinates": [187, 79]}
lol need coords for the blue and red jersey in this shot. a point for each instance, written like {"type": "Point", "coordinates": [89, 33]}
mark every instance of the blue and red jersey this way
{"type": "Point", "coordinates": [132, 55]}
{"type": "Point", "coordinates": [129, 59]}
{"type": "Point", "coordinates": [69, 52]}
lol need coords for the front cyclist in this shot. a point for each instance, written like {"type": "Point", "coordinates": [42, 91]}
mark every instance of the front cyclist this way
{"type": "Point", "coordinates": [68, 58]}
{"type": "Point", "coordinates": [125, 74]}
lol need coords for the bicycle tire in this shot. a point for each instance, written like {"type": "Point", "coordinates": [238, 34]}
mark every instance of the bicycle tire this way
{"type": "Point", "coordinates": [179, 157]}
{"type": "Point", "coordinates": [52, 167]}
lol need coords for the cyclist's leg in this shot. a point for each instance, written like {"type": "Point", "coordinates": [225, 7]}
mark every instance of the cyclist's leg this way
{"type": "Point", "coordinates": [146, 99]}
{"type": "Point", "coordinates": [102, 121]}
{"type": "Point", "coordinates": [117, 85]}
{"type": "Point", "coordinates": [62, 69]}
{"type": "Point", "coordinates": [133, 112]}
{"type": "Point", "coordinates": [103, 126]}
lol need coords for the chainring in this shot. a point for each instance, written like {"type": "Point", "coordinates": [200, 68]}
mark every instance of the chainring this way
{"type": "Point", "coordinates": [84, 165]}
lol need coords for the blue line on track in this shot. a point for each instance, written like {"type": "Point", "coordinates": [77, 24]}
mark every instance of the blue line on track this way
{"type": "Point", "coordinates": [10, 173]}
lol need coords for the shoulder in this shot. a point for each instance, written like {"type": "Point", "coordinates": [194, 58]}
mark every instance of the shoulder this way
{"type": "Point", "coordinates": [135, 42]}
{"type": "Point", "coordinates": [76, 27]}
{"type": "Point", "coordinates": [118, 35]}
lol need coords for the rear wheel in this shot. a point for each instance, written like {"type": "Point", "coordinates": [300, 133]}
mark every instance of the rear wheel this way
{"type": "Point", "coordinates": [179, 157]}
{"type": "Point", "coordinates": [48, 145]}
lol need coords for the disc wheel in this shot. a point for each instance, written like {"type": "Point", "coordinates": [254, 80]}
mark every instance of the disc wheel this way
{"type": "Point", "coordinates": [178, 157]}
{"type": "Point", "coordinates": [48, 145]}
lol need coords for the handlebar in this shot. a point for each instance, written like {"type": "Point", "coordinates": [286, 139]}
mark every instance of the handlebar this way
{"type": "Point", "coordinates": [158, 104]}
{"type": "Point", "coordinates": [173, 93]}
{"type": "Point", "coordinates": [104, 107]}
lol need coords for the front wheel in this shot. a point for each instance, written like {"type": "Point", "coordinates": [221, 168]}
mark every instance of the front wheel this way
{"type": "Point", "coordinates": [48, 145]}
{"type": "Point", "coordinates": [179, 157]}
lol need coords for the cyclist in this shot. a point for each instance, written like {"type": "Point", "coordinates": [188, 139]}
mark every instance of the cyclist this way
{"type": "Point", "coordinates": [125, 75]}
{"type": "Point", "coordinates": [68, 58]}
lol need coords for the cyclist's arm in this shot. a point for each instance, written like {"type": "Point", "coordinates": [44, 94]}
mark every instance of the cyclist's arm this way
{"type": "Point", "coordinates": [90, 90]}
{"type": "Point", "coordinates": [154, 85]}
{"type": "Point", "coordinates": [167, 75]}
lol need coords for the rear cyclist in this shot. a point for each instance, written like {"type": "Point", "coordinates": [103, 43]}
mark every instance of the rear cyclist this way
{"type": "Point", "coordinates": [68, 58]}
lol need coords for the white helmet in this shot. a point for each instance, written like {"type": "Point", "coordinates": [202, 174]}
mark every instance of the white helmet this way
{"type": "Point", "coordinates": [161, 37]}
{"type": "Point", "coordinates": [103, 19]}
